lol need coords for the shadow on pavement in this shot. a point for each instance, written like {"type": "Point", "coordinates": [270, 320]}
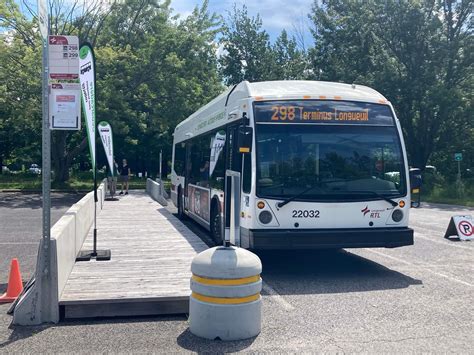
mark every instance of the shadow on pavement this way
{"type": "Point", "coordinates": [320, 271]}
{"type": "Point", "coordinates": [191, 342]}
{"type": "Point", "coordinates": [20, 333]}
{"type": "Point", "coordinates": [33, 201]}
{"type": "Point", "coordinates": [328, 271]}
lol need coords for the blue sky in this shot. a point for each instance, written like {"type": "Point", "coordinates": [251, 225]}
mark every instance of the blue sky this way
{"type": "Point", "coordinates": [276, 14]}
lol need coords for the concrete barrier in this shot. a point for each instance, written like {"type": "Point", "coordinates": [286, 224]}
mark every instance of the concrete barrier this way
{"type": "Point", "coordinates": [40, 303]}
{"type": "Point", "coordinates": [155, 190]}
{"type": "Point", "coordinates": [225, 302]}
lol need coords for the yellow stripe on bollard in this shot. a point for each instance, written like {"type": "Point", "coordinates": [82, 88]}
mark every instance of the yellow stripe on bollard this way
{"type": "Point", "coordinates": [226, 282]}
{"type": "Point", "coordinates": [223, 300]}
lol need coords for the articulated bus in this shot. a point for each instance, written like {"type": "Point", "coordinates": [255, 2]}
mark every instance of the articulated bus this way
{"type": "Point", "coordinates": [323, 165]}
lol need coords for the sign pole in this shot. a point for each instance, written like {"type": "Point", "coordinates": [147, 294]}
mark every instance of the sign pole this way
{"type": "Point", "coordinates": [161, 161]}
{"type": "Point", "coordinates": [46, 164]}
{"type": "Point", "coordinates": [94, 252]}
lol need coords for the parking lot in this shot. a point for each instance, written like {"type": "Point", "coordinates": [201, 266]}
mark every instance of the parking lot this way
{"type": "Point", "coordinates": [415, 298]}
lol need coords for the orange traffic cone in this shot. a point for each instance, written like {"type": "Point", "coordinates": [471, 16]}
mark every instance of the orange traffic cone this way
{"type": "Point", "coordinates": [15, 285]}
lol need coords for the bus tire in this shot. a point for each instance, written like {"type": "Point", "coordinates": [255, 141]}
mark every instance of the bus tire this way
{"type": "Point", "coordinates": [181, 214]}
{"type": "Point", "coordinates": [216, 224]}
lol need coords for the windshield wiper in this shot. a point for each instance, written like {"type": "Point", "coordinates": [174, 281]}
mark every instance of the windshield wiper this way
{"type": "Point", "coordinates": [289, 199]}
{"type": "Point", "coordinates": [389, 200]}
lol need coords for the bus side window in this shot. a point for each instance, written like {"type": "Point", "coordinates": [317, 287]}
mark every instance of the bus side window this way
{"type": "Point", "coordinates": [217, 159]}
{"type": "Point", "coordinates": [179, 157]}
{"type": "Point", "coordinates": [199, 159]}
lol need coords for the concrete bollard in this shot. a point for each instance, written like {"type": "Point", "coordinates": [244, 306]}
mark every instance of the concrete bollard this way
{"type": "Point", "coordinates": [225, 302]}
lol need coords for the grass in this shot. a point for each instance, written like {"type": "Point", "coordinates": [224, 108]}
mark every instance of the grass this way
{"type": "Point", "coordinates": [30, 182]}
{"type": "Point", "coordinates": [449, 195]}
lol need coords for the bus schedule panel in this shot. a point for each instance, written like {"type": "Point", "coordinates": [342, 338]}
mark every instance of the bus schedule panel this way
{"type": "Point", "coordinates": [324, 112]}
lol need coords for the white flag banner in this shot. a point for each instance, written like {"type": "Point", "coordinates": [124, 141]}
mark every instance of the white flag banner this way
{"type": "Point", "coordinates": [87, 78]}
{"type": "Point", "coordinates": [105, 132]}
{"type": "Point", "coordinates": [217, 145]}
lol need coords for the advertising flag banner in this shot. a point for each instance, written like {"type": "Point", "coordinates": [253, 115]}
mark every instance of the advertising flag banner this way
{"type": "Point", "coordinates": [217, 145]}
{"type": "Point", "coordinates": [105, 132]}
{"type": "Point", "coordinates": [87, 79]}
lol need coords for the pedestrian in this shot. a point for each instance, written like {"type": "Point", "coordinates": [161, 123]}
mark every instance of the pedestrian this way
{"type": "Point", "coordinates": [125, 175]}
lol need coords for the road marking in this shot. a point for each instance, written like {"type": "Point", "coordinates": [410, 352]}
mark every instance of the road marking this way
{"type": "Point", "coordinates": [276, 297]}
{"type": "Point", "coordinates": [451, 244]}
{"type": "Point", "coordinates": [418, 266]}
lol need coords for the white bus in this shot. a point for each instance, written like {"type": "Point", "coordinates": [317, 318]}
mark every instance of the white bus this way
{"type": "Point", "coordinates": [326, 166]}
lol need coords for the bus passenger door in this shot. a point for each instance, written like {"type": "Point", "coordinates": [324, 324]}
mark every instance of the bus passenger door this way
{"type": "Point", "coordinates": [234, 163]}
{"type": "Point", "coordinates": [233, 158]}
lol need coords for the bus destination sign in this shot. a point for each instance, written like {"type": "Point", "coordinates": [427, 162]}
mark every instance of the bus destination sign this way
{"type": "Point", "coordinates": [330, 112]}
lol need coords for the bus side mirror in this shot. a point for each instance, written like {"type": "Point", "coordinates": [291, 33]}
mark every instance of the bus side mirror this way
{"type": "Point", "coordinates": [245, 139]}
{"type": "Point", "coordinates": [415, 186]}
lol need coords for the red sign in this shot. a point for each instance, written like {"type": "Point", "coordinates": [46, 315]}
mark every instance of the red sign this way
{"type": "Point", "coordinates": [58, 40]}
{"type": "Point", "coordinates": [65, 98]}
{"type": "Point", "coordinates": [64, 76]}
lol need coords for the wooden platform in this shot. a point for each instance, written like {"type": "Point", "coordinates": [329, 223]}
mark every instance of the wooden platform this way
{"type": "Point", "coordinates": [150, 268]}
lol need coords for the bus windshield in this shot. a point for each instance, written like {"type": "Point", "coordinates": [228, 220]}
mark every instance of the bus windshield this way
{"type": "Point", "coordinates": [329, 162]}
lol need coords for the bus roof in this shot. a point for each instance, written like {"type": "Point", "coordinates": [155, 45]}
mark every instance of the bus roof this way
{"type": "Point", "coordinates": [314, 90]}
{"type": "Point", "coordinates": [283, 89]}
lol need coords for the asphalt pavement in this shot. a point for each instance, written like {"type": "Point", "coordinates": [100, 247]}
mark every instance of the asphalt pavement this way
{"type": "Point", "coordinates": [410, 299]}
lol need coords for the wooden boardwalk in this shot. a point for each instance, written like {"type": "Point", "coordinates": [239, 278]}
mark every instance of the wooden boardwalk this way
{"type": "Point", "coordinates": [150, 268]}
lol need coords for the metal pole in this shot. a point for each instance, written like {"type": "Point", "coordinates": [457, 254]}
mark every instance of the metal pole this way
{"type": "Point", "coordinates": [232, 211]}
{"type": "Point", "coordinates": [94, 252]}
{"type": "Point", "coordinates": [161, 183]}
{"type": "Point", "coordinates": [161, 162]}
{"type": "Point", "coordinates": [46, 165]}
{"type": "Point", "coordinates": [459, 170]}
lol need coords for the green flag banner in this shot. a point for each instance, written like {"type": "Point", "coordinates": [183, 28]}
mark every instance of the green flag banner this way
{"type": "Point", "coordinates": [87, 79]}
{"type": "Point", "coordinates": [105, 133]}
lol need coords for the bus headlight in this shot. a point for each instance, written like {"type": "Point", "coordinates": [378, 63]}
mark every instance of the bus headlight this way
{"type": "Point", "coordinates": [397, 215]}
{"type": "Point", "coordinates": [265, 217]}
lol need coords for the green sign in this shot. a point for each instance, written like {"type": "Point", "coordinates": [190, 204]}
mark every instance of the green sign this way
{"type": "Point", "coordinates": [458, 156]}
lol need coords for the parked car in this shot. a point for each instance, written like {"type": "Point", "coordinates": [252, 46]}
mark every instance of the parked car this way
{"type": "Point", "coordinates": [34, 169]}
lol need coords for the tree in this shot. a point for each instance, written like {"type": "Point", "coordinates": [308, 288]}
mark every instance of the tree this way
{"type": "Point", "coordinates": [247, 51]}
{"type": "Point", "coordinates": [291, 63]}
{"type": "Point", "coordinates": [20, 88]}
{"type": "Point", "coordinates": [153, 70]}
{"type": "Point", "coordinates": [418, 53]}
{"type": "Point", "coordinates": [151, 80]}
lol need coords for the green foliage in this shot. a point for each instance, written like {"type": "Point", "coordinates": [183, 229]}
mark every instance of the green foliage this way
{"type": "Point", "coordinates": [247, 51]}
{"type": "Point", "coordinates": [418, 53]}
{"type": "Point", "coordinates": [152, 72]}
{"type": "Point", "coordinates": [249, 55]}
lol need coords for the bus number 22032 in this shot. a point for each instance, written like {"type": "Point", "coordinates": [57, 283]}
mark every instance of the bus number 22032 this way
{"type": "Point", "coordinates": [305, 213]}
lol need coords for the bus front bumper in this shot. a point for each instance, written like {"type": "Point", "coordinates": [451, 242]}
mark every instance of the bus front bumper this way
{"type": "Point", "coordinates": [326, 238]}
